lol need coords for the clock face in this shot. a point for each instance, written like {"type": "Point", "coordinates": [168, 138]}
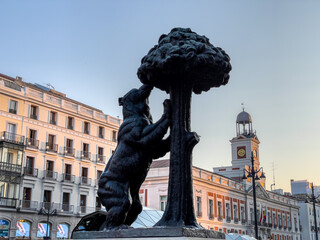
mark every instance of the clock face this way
{"type": "Point", "coordinates": [241, 152]}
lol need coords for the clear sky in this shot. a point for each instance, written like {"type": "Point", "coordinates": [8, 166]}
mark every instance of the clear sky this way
{"type": "Point", "coordinates": [91, 50]}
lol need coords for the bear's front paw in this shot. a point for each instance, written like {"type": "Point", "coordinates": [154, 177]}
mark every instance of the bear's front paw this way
{"type": "Point", "coordinates": [167, 110]}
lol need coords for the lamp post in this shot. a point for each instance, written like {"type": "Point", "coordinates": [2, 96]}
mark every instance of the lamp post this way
{"type": "Point", "coordinates": [252, 173]}
{"type": "Point", "coordinates": [314, 199]}
{"type": "Point", "coordinates": [48, 213]}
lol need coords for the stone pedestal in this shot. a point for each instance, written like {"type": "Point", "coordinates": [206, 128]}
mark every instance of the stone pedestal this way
{"type": "Point", "coordinates": [155, 233]}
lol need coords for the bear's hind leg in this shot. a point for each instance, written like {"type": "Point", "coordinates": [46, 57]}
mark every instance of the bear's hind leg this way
{"type": "Point", "coordinates": [135, 209]}
{"type": "Point", "coordinates": [117, 201]}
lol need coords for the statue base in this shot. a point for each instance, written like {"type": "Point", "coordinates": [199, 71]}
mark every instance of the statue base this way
{"type": "Point", "coordinates": [155, 233]}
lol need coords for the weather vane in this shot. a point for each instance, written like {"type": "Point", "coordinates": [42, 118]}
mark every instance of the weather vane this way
{"type": "Point", "coordinates": [242, 104]}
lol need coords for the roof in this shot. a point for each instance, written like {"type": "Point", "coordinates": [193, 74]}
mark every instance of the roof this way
{"type": "Point", "coordinates": [160, 163]}
{"type": "Point", "coordinates": [244, 118]}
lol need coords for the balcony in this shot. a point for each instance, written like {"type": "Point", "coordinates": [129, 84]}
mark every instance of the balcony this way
{"type": "Point", "coordinates": [32, 143]}
{"type": "Point", "coordinates": [228, 219]}
{"type": "Point", "coordinates": [68, 178]}
{"type": "Point", "coordinates": [34, 116]}
{"type": "Point", "coordinates": [11, 168]}
{"type": "Point", "coordinates": [85, 155]}
{"type": "Point", "coordinates": [199, 214]}
{"type": "Point", "coordinates": [31, 172]}
{"type": "Point", "coordinates": [65, 208]}
{"type": "Point", "coordinates": [68, 151]}
{"type": "Point", "coordinates": [12, 138]}
{"type": "Point", "coordinates": [235, 220]}
{"type": "Point", "coordinates": [14, 111]}
{"type": "Point", "coordinates": [29, 205]}
{"type": "Point", "coordinates": [101, 159]}
{"type": "Point", "coordinates": [50, 175]}
{"type": "Point", "coordinates": [8, 202]}
{"type": "Point", "coordinates": [47, 205]}
{"type": "Point", "coordinates": [85, 210]}
{"type": "Point", "coordinates": [243, 221]}
{"type": "Point", "coordinates": [211, 216]}
{"type": "Point", "coordinates": [85, 181]}
{"type": "Point", "coordinates": [220, 218]}
{"type": "Point", "coordinates": [53, 122]}
{"type": "Point", "coordinates": [51, 147]}
{"type": "Point", "coordinates": [270, 225]}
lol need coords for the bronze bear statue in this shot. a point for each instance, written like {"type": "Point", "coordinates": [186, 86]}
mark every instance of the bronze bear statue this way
{"type": "Point", "coordinates": [139, 142]}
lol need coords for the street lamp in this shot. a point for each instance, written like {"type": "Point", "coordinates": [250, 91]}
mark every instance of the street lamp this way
{"type": "Point", "coordinates": [48, 213]}
{"type": "Point", "coordinates": [252, 173]}
{"type": "Point", "coordinates": [314, 199]}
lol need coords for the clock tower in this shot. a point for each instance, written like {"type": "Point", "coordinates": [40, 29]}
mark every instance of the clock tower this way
{"type": "Point", "coordinates": [245, 143]}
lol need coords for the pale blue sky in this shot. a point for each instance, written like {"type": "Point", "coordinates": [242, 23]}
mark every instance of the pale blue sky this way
{"type": "Point", "coordinates": [91, 50]}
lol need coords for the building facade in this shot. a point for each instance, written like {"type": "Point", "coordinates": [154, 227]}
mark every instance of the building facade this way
{"type": "Point", "coordinates": [223, 201]}
{"type": "Point", "coordinates": [52, 151]}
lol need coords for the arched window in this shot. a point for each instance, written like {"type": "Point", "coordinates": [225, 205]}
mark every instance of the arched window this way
{"type": "Point", "coordinates": [63, 231]}
{"type": "Point", "coordinates": [4, 228]}
{"type": "Point", "coordinates": [23, 229]}
{"type": "Point", "coordinates": [44, 230]}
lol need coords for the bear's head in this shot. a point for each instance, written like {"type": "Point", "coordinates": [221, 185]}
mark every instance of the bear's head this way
{"type": "Point", "coordinates": [136, 101]}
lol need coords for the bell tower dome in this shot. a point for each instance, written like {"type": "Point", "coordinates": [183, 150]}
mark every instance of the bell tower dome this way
{"type": "Point", "coordinates": [244, 123]}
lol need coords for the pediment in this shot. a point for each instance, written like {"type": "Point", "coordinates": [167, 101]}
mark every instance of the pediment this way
{"type": "Point", "coordinates": [260, 191]}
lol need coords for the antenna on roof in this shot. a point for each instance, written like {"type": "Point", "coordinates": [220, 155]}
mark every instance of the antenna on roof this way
{"type": "Point", "coordinates": [49, 86]}
{"type": "Point", "coordinates": [274, 178]}
{"type": "Point", "coordinates": [242, 104]}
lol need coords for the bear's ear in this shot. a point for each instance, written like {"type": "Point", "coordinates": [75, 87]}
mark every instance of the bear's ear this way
{"type": "Point", "coordinates": [120, 101]}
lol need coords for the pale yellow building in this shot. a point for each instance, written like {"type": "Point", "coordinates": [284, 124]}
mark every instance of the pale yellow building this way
{"type": "Point", "coordinates": [52, 151]}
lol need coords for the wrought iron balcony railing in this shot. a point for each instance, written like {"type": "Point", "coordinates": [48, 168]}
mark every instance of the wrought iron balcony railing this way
{"type": "Point", "coordinates": [85, 181]}
{"type": "Point", "coordinates": [31, 172]}
{"type": "Point", "coordinates": [11, 110]}
{"type": "Point", "coordinates": [51, 147]}
{"type": "Point", "coordinates": [68, 178]}
{"type": "Point", "coordinates": [101, 159]}
{"type": "Point", "coordinates": [228, 219]}
{"type": "Point", "coordinates": [85, 155]}
{"type": "Point", "coordinates": [12, 137]}
{"type": "Point", "coordinates": [53, 122]}
{"type": "Point", "coordinates": [211, 216]}
{"type": "Point", "coordinates": [65, 208]}
{"type": "Point", "coordinates": [68, 151]}
{"type": "Point", "coordinates": [235, 220]}
{"type": "Point", "coordinates": [50, 175]}
{"type": "Point", "coordinates": [8, 202]}
{"type": "Point", "coordinates": [33, 116]}
{"type": "Point", "coordinates": [30, 205]}
{"type": "Point", "coordinates": [243, 221]}
{"type": "Point", "coordinates": [32, 143]}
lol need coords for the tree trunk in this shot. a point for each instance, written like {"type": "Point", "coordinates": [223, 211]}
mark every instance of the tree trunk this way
{"type": "Point", "coordinates": [180, 209]}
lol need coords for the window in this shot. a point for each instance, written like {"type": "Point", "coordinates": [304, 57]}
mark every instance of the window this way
{"type": "Point", "coordinates": [242, 214]}
{"type": "Point", "coordinates": [211, 209]}
{"type": "Point", "coordinates": [13, 106]}
{"type": "Point", "coordinates": [86, 128]}
{"type": "Point", "coordinates": [235, 212]}
{"type": "Point", "coordinates": [69, 151]}
{"type": "Point", "coordinates": [70, 124]}
{"type": "Point", "coordinates": [114, 136]}
{"type": "Point", "coordinates": [66, 202]}
{"type": "Point", "coordinates": [251, 215]}
{"type": "Point", "coordinates": [53, 118]}
{"type": "Point", "coordinates": [51, 146]}
{"type": "Point", "coordinates": [219, 211]}
{"type": "Point", "coordinates": [100, 157]}
{"type": "Point", "coordinates": [228, 212]}
{"type": "Point", "coordinates": [85, 151]}
{"type": "Point", "coordinates": [83, 203]}
{"type": "Point", "coordinates": [98, 204]}
{"type": "Point", "coordinates": [47, 199]}
{"type": "Point", "coordinates": [269, 217]}
{"type": "Point", "coordinates": [101, 132]}
{"type": "Point", "coordinates": [274, 219]}
{"type": "Point", "coordinates": [84, 175]}
{"type": "Point", "coordinates": [34, 112]}
{"type": "Point", "coordinates": [199, 212]}
{"type": "Point", "coordinates": [163, 202]}
{"type": "Point", "coordinates": [99, 173]}
{"type": "Point", "coordinates": [32, 139]}
{"type": "Point", "coordinates": [67, 172]}
{"type": "Point", "coordinates": [49, 169]}
{"type": "Point", "coordinates": [26, 197]}
{"type": "Point", "coordinates": [29, 166]}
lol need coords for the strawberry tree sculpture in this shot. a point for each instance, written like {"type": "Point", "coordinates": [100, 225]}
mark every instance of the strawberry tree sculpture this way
{"type": "Point", "coordinates": [183, 62]}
